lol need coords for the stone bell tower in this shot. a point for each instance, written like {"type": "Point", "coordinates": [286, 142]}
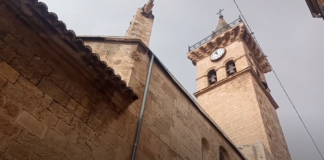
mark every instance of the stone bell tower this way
{"type": "Point", "coordinates": [233, 90]}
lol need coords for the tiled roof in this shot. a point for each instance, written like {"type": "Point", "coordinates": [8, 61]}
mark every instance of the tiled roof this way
{"type": "Point", "coordinates": [40, 10]}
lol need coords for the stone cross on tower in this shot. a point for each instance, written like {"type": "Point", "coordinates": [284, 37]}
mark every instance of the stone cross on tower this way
{"type": "Point", "coordinates": [220, 13]}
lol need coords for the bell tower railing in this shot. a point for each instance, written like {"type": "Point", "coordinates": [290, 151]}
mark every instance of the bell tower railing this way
{"type": "Point", "coordinates": [218, 32]}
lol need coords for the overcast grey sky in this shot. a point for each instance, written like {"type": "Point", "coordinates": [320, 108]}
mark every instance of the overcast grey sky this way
{"type": "Point", "coordinates": [285, 29]}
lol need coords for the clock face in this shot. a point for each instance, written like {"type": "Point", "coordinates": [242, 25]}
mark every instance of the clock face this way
{"type": "Point", "coordinates": [217, 54]}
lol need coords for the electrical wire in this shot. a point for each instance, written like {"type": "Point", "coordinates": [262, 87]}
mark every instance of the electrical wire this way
{"type": "Point", "coordinates": [283, 88]}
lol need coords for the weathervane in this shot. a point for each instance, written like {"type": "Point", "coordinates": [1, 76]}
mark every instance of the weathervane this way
{"type": "Point", "coordinates": [220, 13]}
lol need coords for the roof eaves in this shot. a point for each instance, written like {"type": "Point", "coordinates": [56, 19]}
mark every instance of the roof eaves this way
{"type": "Point", "coordinates": [77, 44]}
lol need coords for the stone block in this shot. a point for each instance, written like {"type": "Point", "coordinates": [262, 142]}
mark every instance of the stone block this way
{"type": "Point", "coordinates": [26, 69]}
{"type": "Point", "coordinates": [30, 89]}
{"type": "Point", "coordinates": [8, 72]}
{"type": "Point", "coordinates": [7, 54]}
{"type": "Point", "coordinates": [81, 127]}
{"type": "Point", "coordinates": [85, 144]}
{"type": "Point", "coordinates": [18, 97]}
{"type": "Point", "coordinates": [10, 110]}
{"type": "Point", "coordinates": [74, 90]}
{"type": "Point", "coordinates": [45, 116]}
{"type": "Point", "coordinates": [81, 113]}
{"type": "Point", "coordinates": [58, 78]}
{"type": "Point", "coordinates": [41, 66]}
{"type": "Point", "coordinates": [103, 130]}
{"type": "Point", "coordinates": [16, 151]}
{"type": "Point", "coordinates": [19, 47]}
{"type": "Point", "coordinates": [54, 91]}
{"type": "Point", "coordinates": [67, 131]}
{"type": "Point", "coordinates": [72, 104]}
{"type": "Point", "coordinates": [61, 112]}
{"type": "Point", "coordinates": [3, 81]}
{"type": "Point", "coordinates": [38, 146]}
{"type": "Point", "coordinates": [8, 132]}
{"type": "Point", "coordinates": [69, 149]}
{"type": "Point", "coordinates": [31, 124]}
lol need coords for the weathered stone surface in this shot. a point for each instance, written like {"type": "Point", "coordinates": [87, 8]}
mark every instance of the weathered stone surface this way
{"type": "Point", "coordinates": [58, 78]}
{"type": "Point", "coordinates": [38, 146]}
{"type": "Point", "coordinates": [3, 81]}
{"type": "Point", "coordinates": [8, 72]}
{"type": "Point", "coordinates": [31, 124]}
{"type": "Point", "coordinates": [8, 132]}
{"type": "Point", "coordinates": [45, 116]}
{"type": "Point", "coordinates": [26, 69]}
{"type": "Point", "coordinates": [63, 145]}
{"type": "Point", "coordinates": [61, 112]}
{"type": "Point", "coordinates": [7, 54]}
{"type": "Point", "coordinates": [16, 151]}
{"type": "Point", "coordinates": [81, 113]}
{"type": "Point", "coordinates": [18, 97]}
{"type": "Point", "coordinates": [30, 89]}
{"type": "Point", "coordinates": [41, 66]}
{"type": "Point", "coordinates": [71, 105]}
{"type": "Point", "coordinates": [19, 47]}
{"type": "Point", "coordinates": [10, 110]}
{"type": "Point", "coordinates": [67, 131]}
{"type": "Point", "coordinates": [81, 127]}
{"type": "Point", "coordinates": [54, 91]}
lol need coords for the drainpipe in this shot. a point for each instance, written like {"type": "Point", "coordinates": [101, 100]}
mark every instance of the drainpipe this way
{"type": "Point", "coordinates": [140, 120]}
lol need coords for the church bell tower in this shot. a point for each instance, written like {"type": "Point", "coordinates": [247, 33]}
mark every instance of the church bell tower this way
{"type": "Point", "coordinates": [233, 91]}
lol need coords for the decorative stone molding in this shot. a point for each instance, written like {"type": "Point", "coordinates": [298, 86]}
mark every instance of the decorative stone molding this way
{"type": "Point", "coordinates": [237, 33]}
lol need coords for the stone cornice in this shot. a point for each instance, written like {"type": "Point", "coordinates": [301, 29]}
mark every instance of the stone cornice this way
{"type": "Point", "coordinates": [249, 69]}
{"type": "Point", "coordinates": [237, 33]}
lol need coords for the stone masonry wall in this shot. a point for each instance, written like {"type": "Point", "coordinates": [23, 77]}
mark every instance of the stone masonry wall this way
{"type": "Point", "coordinates": [172, 127]}
{"type": "Point", "coordinates": [47, 113]}
{"type": "Point", "coordinates": [277, 140]}
{"type": "Point", "coordinates": [233, 106]}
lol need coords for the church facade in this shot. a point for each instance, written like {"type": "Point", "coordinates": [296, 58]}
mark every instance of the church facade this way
{"type": "Point", "coordinates": [69, 97]}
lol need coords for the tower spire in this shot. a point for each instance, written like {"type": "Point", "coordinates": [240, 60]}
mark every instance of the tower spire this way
{"type": "Point", "coordinates": [222, 25]}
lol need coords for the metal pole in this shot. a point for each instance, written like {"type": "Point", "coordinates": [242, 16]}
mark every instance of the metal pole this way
{"type": "Point", "coordinates": [140, 120]}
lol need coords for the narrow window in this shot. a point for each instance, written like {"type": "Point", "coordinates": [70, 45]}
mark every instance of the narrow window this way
{"type": "Point", "coordinates": [230, 68]}
{"type": "Point", "coordinates": [223, 155]}
{"type": "Point", "coordinates": [205, 149]}
{"type": "Point", "coordinates": [212, 78]}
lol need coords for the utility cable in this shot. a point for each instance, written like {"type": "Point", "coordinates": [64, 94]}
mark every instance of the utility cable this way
{"type": "Point", "coordinates": [283, 88]}
{"type": "Point", "coordinates": [297, 113]}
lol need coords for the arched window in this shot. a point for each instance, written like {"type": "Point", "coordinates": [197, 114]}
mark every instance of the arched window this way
{"type": "Point", "coordinates": [205, 149]}
{"type": "Point", "coordinates": [223, 155]}
{"type": "Point", "coordinates": [230, 68]}
{"type": "Point", "coordinates": [212, 77]}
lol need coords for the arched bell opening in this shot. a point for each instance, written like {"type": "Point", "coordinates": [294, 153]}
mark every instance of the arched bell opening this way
{"type": "Point", "coordinates": [230, 68]}
{"type": "Point", "coordinates": [212, 77]}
